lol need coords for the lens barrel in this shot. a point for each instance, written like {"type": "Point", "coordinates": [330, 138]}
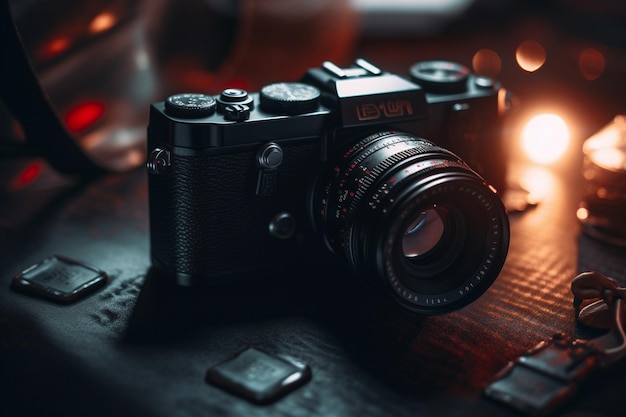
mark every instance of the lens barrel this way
{"type": "Point", "coordinates": [414, 218]}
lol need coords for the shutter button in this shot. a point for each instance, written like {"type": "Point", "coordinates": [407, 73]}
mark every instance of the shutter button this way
{"type": "Point", "coordinates": [235, 104]}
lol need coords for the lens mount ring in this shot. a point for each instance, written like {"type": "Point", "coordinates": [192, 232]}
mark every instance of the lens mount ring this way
{"type": "Point", "coordinates": [358, 170]}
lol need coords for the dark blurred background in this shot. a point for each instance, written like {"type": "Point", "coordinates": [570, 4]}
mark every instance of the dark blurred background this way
{"type": "Point", "coordinates": [102, 62]}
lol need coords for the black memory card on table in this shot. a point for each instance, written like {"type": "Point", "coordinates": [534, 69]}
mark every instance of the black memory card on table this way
{"type": "Point", "coordinates": [258, 376]}
{"type": "Point", "coordinates": [59, 279]}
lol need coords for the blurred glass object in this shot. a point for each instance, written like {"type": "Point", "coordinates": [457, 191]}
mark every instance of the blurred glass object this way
{"type": "Point", "coordinates": [602, 210]}
{"type": "Point", "coordinates": [91, 60]}
{"type": "Point", "coordinates": [81, 74]}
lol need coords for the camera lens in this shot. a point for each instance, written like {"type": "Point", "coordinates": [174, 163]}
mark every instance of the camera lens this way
{"type": "Point", "coordinates": [414, 218]}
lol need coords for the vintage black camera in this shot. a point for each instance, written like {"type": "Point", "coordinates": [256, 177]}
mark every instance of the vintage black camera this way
{"type": "Point", "coordinates": [245, 186]}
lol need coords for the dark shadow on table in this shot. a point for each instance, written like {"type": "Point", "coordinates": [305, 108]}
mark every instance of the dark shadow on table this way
{"type": "Point", "coordinates": [376, 333]}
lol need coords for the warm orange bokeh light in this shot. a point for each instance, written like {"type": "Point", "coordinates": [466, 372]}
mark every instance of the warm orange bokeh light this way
{"type": "Point", "coordinates": [591, 63]}
{"type": "Point", "coordinates": [530, 55]}
{"type": "Point", "coordinates": [545, 138]}
{"type": "Point", "coordinates": [487, 62]}
{"type": "Point", "coordinates": [582, 214]}
{"type": "Point", "coordinates": [102, 22]}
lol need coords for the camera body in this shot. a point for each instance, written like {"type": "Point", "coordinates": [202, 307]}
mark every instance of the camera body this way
{"type": "Point", "coordinates": [234, 184]}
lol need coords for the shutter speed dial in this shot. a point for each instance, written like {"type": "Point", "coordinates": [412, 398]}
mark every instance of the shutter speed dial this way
{"type": "Point", "coordinates": [190, 105]}
{"type": "Point", "coordinates": [441, 77]}
{"type": "Point", "coordinates": [283, 98]}
{"type": "Point", "coordinates": [288, 98]}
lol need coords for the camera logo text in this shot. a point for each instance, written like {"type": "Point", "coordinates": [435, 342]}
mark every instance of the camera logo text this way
{"type": "Point", "coordinates": [386, 109]}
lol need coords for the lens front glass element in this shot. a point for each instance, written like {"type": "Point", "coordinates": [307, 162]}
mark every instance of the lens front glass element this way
{"type": "Point", "coordinates": [423, 234]}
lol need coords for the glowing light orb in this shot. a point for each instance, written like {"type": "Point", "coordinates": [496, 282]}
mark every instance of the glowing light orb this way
{"type": "Point", "coordinates": [545, 138]}
{"type": "Point", "coordinates": [530, 56]}
{"type": "Point", "coordinates": [592, 63]}
{"type": "Point", "coordinates": [487, 62]}
{"type": "Point", "coordinates": [102, 22]}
